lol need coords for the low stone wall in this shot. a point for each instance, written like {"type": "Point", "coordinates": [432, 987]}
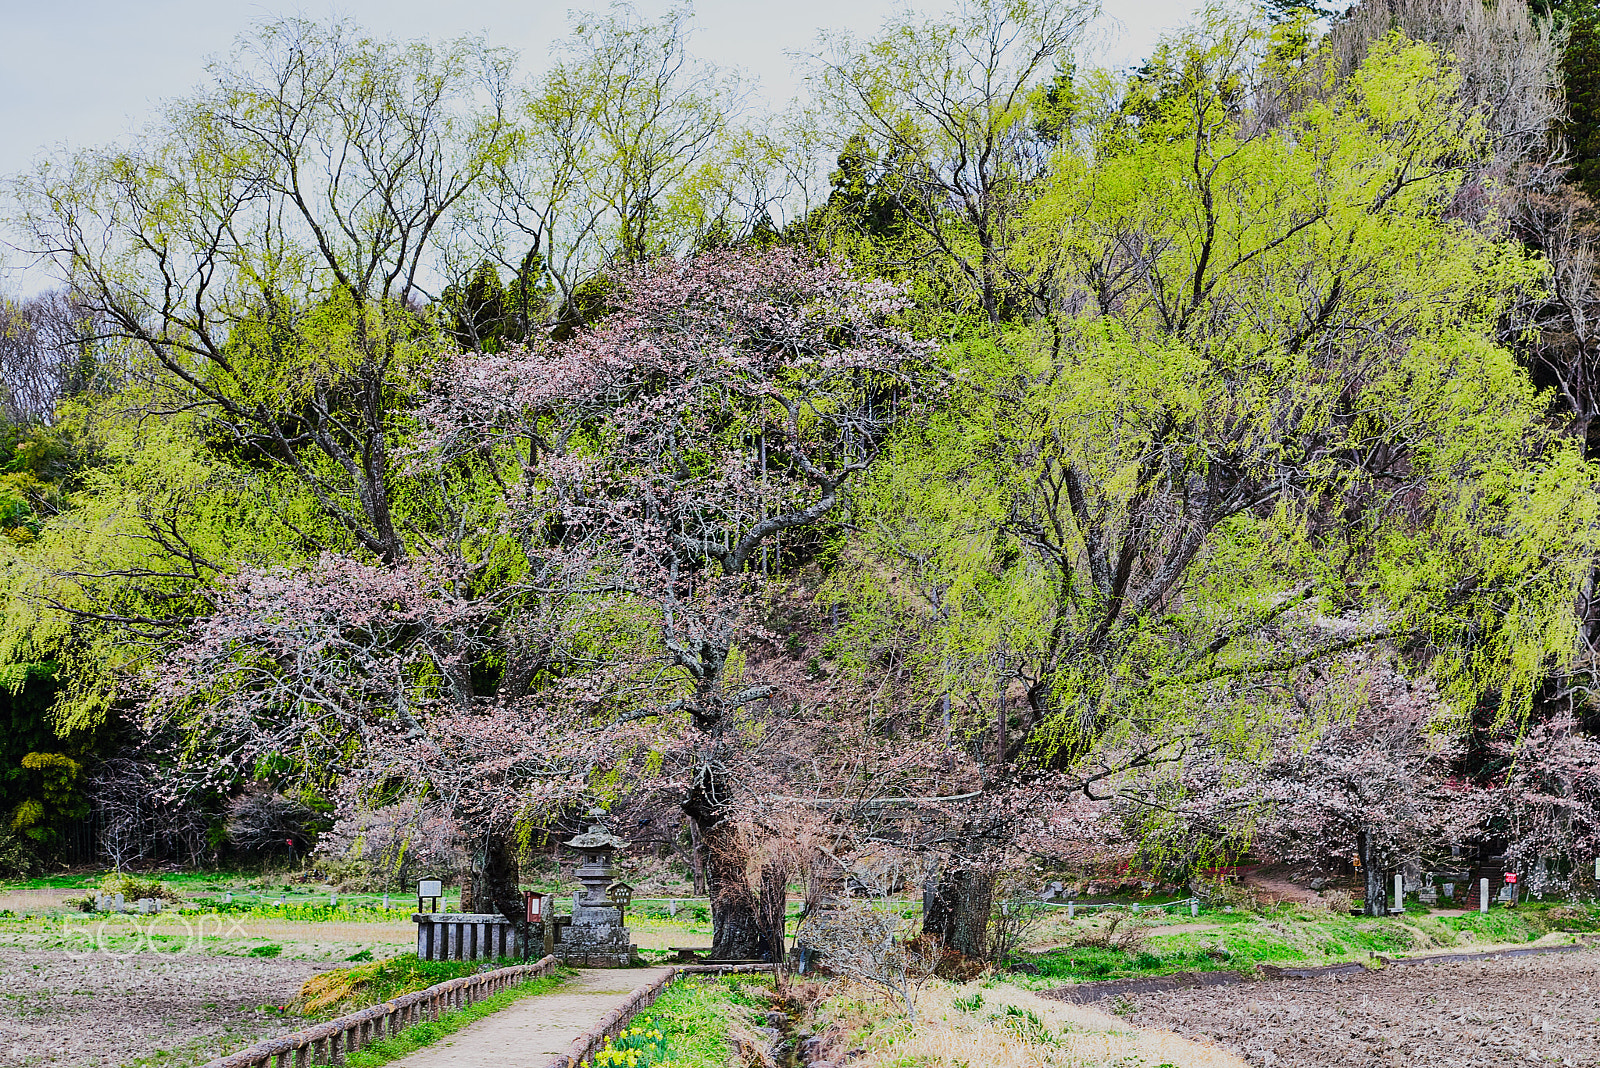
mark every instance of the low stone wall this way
{"type": "Point", "coordinates": [464, 935]}
{"type": "Point", "coordinates": [327, 1043]}
{"type": "Point", "coordinates": [591, 1041]}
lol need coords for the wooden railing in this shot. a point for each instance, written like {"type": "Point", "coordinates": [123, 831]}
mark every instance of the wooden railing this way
{"type": "Point", "coordinates": [327, 1043]}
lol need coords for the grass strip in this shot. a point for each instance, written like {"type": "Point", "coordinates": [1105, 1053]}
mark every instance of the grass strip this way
{"type": "Point", "coordinates": [1239, 942]}
{"type": "Point", "coordinates": [428, 1032]}
{"type": "Point", "coordinates": [691, 1019]}
{"type": "Point", "coordinates": [343, 990]}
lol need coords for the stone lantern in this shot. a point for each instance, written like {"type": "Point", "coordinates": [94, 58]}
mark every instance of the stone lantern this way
{"type": "Point", "coordinates": [596, 847]}
{"type": "Point", "coordinates": [595, 935]}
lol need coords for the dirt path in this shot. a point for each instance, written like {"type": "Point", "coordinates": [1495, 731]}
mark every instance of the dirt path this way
{"type": "Point", "coordinates": [1502, 1010]}
{"type": "Point", "coordinates": [1270, 888]}
{"type": "Point", "coordinates": [531, 1031]}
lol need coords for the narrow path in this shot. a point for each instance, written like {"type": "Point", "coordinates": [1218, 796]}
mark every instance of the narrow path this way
{"type": "Point", "coordinates": [532, 1030]}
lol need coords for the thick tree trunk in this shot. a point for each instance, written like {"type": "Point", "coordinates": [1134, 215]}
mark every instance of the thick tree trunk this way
{"type": "Point", "coordinates": [737, 931]}
{"type": "Point", "coordinates": [955, 909]}
{"type": "Point", "coordinates": [696, 869]}
{"type": "Point", "coordinates": [495, 882]}
{"type": "Point", "coordinates": [1377, 901]}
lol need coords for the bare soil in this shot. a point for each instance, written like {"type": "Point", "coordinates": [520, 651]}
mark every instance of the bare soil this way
{"type": "Point", "coordinates": [1500, 1010]}
{"type": "Point", "coordinates": [94, 1009]}
{"type": "Point", "coordinates": [1272, 886]}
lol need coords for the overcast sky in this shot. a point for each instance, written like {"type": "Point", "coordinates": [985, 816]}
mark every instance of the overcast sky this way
{"type": "Point", "coordinates": [83, 72]}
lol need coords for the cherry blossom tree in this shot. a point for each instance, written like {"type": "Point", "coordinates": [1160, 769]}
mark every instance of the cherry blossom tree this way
{"type": "Point", "coordinates": [686, 445]}
{"type": "Point", "coordinates": [1361, 766]}
{"type": "Point", "coordinates": [1545, 802]}
{"type": "Point", "coordinates": [1375, 785]}
{"type": "Point", "coordinates": [361, 675]}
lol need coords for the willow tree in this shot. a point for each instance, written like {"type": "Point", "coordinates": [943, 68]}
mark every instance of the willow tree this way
{"type": "Point", "coordinates": [259, 253]}
{"type": "Point", "coordinates": [1265, 422]}
{"type": "Point", "coordinates": [258, 262]}
{"type": "Point", "coordinates": [951, 116]}
{"type": "Point", "coordinates": [612, 156]}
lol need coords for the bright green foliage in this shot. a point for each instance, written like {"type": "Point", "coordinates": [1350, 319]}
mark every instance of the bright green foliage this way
{"type": "Point", "coordinates": [1266, 421]}
{"type": "Point", "coordinates": [58, 796]}
{"type": "Point", "coordinates": [149, 527]}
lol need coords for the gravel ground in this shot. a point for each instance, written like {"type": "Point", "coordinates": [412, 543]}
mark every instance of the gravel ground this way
{"type": "Point", "coordinates": [83, 1009]}
{"type": "Point", "coordinates": [1516, 1010]}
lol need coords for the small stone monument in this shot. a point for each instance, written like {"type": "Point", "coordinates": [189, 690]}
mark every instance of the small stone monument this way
{"type": "Point", "coordinates": [595, 936]}
{"type": "Point", "coordinates": [1428, 894]}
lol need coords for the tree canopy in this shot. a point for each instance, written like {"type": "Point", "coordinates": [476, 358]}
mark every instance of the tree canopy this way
{"type": "Point", "coordinates": [995, 455]}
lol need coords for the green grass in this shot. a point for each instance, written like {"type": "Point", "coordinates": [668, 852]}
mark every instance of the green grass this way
{"type": "Point", "coordinates": [430, 1031]}
{"type": "Point", "coordinates": [195, 1051]}
{"type": "Point", "coordinates": [355, 986]}
{"type": "Point", "coordinates": [692, 1016]}
{"type": "Point", "coordinates": [1291, 936]}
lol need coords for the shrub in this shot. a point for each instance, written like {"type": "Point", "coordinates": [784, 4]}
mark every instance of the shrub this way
{"type": "Point", "coordinates": [1117, 930]}
{"type": "Point", "coordinates": [341, 990]}
{"type": "Point", "coordinates": [132, 888]}
{"type": "Point", "coordinates": [17, 856]}
{"type": "Point", "coordinates": [878, 948]}
{"type": "Point", "coordinates": [1339, 902]}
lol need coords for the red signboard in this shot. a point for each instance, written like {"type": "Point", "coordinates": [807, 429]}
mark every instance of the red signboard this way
{"type": "Point", "coordinates": [535, 902]}
{"type": "Point", "coordinates": [1511, 876]}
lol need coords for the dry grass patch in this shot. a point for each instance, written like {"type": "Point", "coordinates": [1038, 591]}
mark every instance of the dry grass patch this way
{"type": "Point", "coordinates": [1003, 1027]}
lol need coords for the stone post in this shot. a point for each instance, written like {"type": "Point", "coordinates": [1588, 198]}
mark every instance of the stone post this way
{"type": "Point", "coordinates": [1483, 896]}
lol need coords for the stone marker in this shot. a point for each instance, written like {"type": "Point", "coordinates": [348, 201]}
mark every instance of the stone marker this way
{"type": "Point", "coordinates": [1483, 895]}
{"type": "Point", "coordinates": [1194, 907]}
{"type": "Point", "coordinates": [595, 935]}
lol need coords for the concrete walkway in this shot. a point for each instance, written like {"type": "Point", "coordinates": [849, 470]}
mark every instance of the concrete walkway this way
{"type": "Point", "coordinates": [528, 1032]}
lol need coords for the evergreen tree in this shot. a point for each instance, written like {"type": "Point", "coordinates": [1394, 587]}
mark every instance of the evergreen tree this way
{"type": "Point", "coordinates": [1580, 72]}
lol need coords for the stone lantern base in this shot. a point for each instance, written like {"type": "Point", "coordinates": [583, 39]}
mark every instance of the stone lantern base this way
{"type": "Point", "coordinates": [595, 937]}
